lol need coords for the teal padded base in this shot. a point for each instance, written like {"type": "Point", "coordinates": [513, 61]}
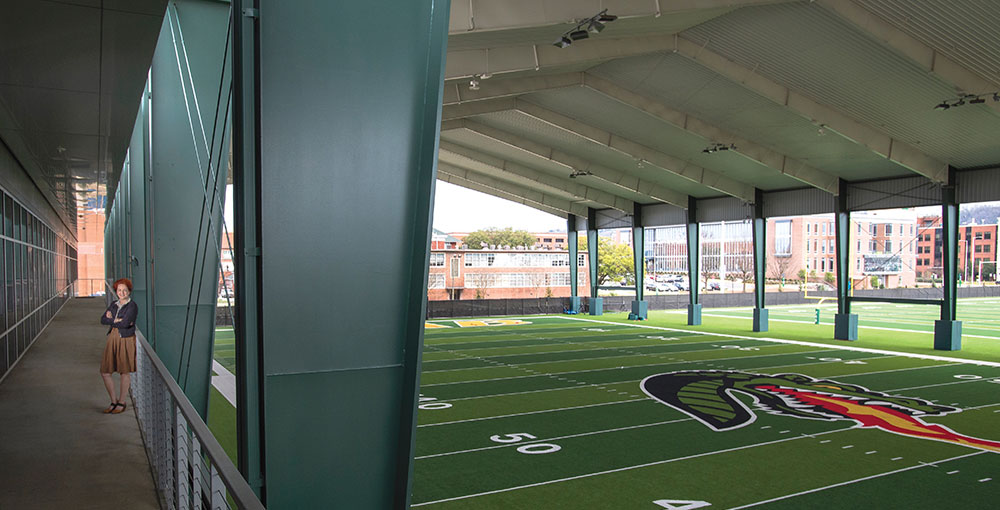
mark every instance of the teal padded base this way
{"type": "Point", "coordinates": [845, 326]}
{"type": "Point", "coordinates": [596, 306]}
{"type": "Point", "coordinates": [947, 335]}
{"type": "Point", "coordinates": [760, 319]}
{"type": "Point", "coordinates": [574, 304]}
{"type": "Point", "coordinates": [694, 315]}
{"type": "Point", "coordinates": [640, 309]}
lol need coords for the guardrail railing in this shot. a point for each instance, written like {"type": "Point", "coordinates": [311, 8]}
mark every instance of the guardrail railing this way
{"type": "Point", "coordinates": [190, 468]}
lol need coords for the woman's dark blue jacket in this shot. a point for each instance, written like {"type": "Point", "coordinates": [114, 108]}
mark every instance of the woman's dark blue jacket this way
{"type": "Point", "coordinates": [126, 327]}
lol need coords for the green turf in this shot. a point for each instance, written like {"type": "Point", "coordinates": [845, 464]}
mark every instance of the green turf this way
{"type": "Point", "coordinates": [573, 385]}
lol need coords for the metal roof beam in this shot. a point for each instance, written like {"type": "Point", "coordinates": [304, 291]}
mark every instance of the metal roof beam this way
{"type": "Point", "coordinates": [466, 64]}
{"type": "Point", "coordinates": [923, 55]}
{"type": "Point", "coordinates": [459, 91]}
{"type": "Point", "coordinates": [510, 191]}
{"type": "Point", "coordinates": [459, 156]}
{"type": "Point", "coordinates": [463, 110]}
{"type": "Point", "coordinates": [638, 151]}
{"type": "Point", "coordinates": [491, 15]}
{"type": "Point", "coordinates": [626, 181]}
{"type": "Point", "coordinates": [882, 144]}
{"type": "Point", "coordinates": [767, 157]}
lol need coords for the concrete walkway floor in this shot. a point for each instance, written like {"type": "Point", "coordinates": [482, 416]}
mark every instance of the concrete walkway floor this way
{"type": "Point", "coordinates": [57, 449]}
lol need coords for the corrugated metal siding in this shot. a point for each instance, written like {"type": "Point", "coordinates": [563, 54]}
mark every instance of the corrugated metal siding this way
{"type": "Point", "coordinates": [797, 202]}
{"type": "Point", "coordinates": [723, 209]}
{"type": "Point", "coordinates": [660, 215]}
{"type": "Point", "coordinates": [977, 185]}
{"type": "Point", "coordinates": [963, 30]}
{"type": "Point", "coordinates": [611, 218]}
{"type": "Point", "coordinates": [893, 193]}
{"type": "Point", "coordinates": [812, 51]}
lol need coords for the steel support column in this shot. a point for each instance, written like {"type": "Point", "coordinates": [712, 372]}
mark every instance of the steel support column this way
{"type": "Point", "coordinates": [639, 306]}
{"type": "Point", "coordinates": [694, 260]}
{"type": "Point", "coordinates": [596, 305]}
{"type": "Point", "coordinates": [759, 262]}
{"type": "Point", "coordinates": [573, 245]}
{"type": "Point", "coordinates": [190, 86]}
{"type": "Point", "coordinates": [845, 325]}
{"type": "Point", "coordinates": [246, 252]}
{"type": "Point", "coordinates": [948, 330]}
{"type": "Point", "coordinates": [344, 236]}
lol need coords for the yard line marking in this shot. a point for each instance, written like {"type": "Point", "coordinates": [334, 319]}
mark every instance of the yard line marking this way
{"type": "Point", "coordinates": [849, 482]}
{"type": "Point", "coordinates": [871, 452]}
{"type": "Point", "coordinates": [597, 385]}
{"type": "Point", "coordinates": [486, 358]}
{"type": "Point", "coordinates": [951, 472]}
{"type": "Point", "coordinates": [897, 458]}
{"type": "Point", "coordinates": [535, 412]}
{"type": "Point", "coordinates": [543, 440]}
{"type": "Point", "coordinates": [985, 480]}
{"type": "Point", "coordinates": [829, 324]}
{"type": "Point", "coordinates": [784, 431]}
{"type": "Point", "coordinates": [939, 384]}
{"type": "Point", "coordinates": [824, 441]}
{"type": "Point", "coordinates": [811, 344]}
{"type": "Point", "coordinates": [765, 427]}
{"type": "Point", "coordinates": [612, 368]}
{"type": "Point", "coordinates": [846, 447]}
{"type": "Point", "coordinates": [627, 468]}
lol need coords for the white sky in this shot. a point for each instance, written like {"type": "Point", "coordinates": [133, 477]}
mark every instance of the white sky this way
{"type": "Point", "coordinates": [457, 209]}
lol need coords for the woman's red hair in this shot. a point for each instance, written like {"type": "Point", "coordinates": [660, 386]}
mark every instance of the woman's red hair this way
{"type": "Point", "coordinates": [123, 281]}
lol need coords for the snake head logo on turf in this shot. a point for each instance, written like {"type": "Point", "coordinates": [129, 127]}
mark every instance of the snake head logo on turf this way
{"type": "Point", "coordinates": [708, 396]}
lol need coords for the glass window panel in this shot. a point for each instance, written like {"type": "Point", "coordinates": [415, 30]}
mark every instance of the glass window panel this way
{"type": "Point", "coordinates": [8, 214]}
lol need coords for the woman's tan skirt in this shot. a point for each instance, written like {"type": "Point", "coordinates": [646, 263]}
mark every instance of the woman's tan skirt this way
{"type": "Point", "coordinates": [119, 354]}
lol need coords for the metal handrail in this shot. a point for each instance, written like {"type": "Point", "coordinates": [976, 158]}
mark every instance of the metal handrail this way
{"type": "Point", "coordinates": [190, 468]}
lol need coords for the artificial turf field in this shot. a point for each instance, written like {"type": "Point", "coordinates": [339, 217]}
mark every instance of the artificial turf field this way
{"type": "Point", "coordinates": [551, 412]}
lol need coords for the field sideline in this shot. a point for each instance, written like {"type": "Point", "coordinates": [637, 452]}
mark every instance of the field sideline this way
{"type": "Point", "coordinates": [572, 412]}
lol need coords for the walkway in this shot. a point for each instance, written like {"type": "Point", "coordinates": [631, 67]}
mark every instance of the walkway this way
{"type": "Point", "coordinates": [57, 449]}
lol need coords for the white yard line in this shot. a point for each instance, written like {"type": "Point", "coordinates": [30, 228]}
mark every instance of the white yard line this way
{"type": "Point", "coordinates": [627, 468]}
{"type": "Point", "coordinates": [813, 344]}
{"type": "Point", "coordinates": [831, 324]}
{"type": "Point", "coordinates": [225, 382]}
{"type": "Point", "coordinates": [841, 484]}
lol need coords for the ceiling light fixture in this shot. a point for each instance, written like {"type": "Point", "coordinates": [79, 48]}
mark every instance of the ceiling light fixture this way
{"type": "Point", "coordinates": [578, 173]}
{"type": "Point", "coordinates": [964, 99]}
{"type": "Point", "coordinates": [718, 147]}
{"type": "Point", "coordinates": [592, 25]}
{"type": "Point", "coordinates": [473, 84]}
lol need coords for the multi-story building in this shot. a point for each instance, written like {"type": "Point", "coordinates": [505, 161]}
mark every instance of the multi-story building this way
{"type": "Point", "coordinates": [543, 240]}
{"type": "Point", "coordinates": [883, 245]}
{"type": "Point", "coordinates": [503, 274]}
{"type": "Point", "coordinates": [90, 251]}
{"type": "Point", "coordinates": [977, 250]}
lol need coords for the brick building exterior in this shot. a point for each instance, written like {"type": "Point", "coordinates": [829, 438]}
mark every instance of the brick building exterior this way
{"type": "Point", "coordinates": [503, 274]}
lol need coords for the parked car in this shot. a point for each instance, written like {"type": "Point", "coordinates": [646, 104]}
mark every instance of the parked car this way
{"type": "Point", "coordinates": [713, 286]}
{"type": "Point", "coordinates": [682, 285]}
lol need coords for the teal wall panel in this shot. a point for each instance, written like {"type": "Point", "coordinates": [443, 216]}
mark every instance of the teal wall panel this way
{"type": "Point", "coordinates": [350, 97]}
{"type": "Point", "coordinates": [190, 84]}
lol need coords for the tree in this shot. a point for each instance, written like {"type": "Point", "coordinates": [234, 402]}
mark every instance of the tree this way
{"type": "Point", "coordinates": [537, 281]}
{"type": "Point", "coordinates": [829, 278]}
{"type": "Point", "coordinates": [743, 270]}
{"type": "Point", "coordinates": [481, 281]}
{"type": "Point", "coordinates": [614, 261]}
{"type": "Point", "coordinates": [778, 268]}
{"type": "Point", "coordinates": [802, 274]}
{"type": "Point", "coordinates": [499, 237]}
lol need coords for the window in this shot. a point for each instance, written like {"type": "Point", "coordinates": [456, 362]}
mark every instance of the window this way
{"type": "Point", "coordinates": [454, 266]}
{"type": "Point", "coordinates": [581, 260]}
{"type": "Point", "coordinates": [888, 229]}
{"type": "Point", "coordinates": [831, 245]}
{"type": "Point", "coordinates": [979, 248]}
{"type": "Point", "coordinates": [874, 229]}
{"type": "Point", "coordinates": [986, 248]}
{"type": "Point", "coordinates": [807, 228]}
{"type": "Point", "coordinates": [435, 281]}
{"type": "Point", "coordinates": [920, 262]}
{"type": "Point", "coordinates": [888, 245]}
{"type": "Point", "coordinates": [987, 235]}
{"type": "Point", "coordinates": [823, 248]}
{"type": "Point", "coordinates": [479, 259]}
{"type": "Point", "coordinates": [783, 238]}
{"type": "Point", "coordinates": [859, 228]}
{"type": "Point", "coordinates": [822, 265]}
{"type": "Point", "coordinates": [437, 259]}
{"type": "Point", "coordinates": [824, 229]}
{"type": "Point", "coordinates": [547, 240]}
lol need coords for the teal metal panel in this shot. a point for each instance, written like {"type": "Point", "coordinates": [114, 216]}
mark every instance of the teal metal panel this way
{"type": "Point", "coordinates": [573, 243]}
{"type": "Point", "coordinates": [592, 251]}
{"type": "Point", "coordinates": [138, 246]}
{"type": "Point", "coordinates": [344, 238]}
{"type": "Point", "coordinates": [693, 240]}
{"type": "Point", "coordinates": [190, 91]}
{"type": "Point", "coordinates": [638, 251]}
{"type": "Point", "coordinates": [949, 251]}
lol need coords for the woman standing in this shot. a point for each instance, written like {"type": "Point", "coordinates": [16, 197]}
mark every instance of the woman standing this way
{"type": "Point", "coordinates": [119, 353]}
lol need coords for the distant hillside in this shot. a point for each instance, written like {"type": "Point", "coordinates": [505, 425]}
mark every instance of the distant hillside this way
{"type": "Point", "coordinates": [981, 214]}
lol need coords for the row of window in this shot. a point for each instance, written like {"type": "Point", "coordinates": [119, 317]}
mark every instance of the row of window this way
{"type": "Point", "coordinates": [36, 267]}
{"type": "Point", "coordinates": [514, 280]}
